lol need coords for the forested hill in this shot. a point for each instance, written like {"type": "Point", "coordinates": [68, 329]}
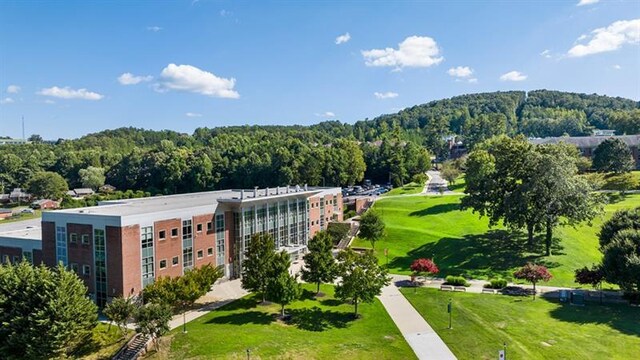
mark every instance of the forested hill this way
{"type": "Point", "coordinates": [330, 152]}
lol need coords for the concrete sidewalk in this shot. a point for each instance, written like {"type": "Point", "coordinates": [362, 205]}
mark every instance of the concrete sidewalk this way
{"type": "Point", "coordinates": [421, 337]}
{"type": "Point", "coordinates": [220, 295]}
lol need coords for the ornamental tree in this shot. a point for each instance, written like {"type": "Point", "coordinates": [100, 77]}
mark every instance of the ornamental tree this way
{"type": "Point", "coordinates": [533, 273]}
{"type": "Point", "coordinates": [424, 266]}
{"type": "Point", "coordinates": [319, 264]}
{"type": "Point", "coordinates": [593, 277]}
{"type": "Point", "coordinates": [153, 320]}
{"type": "Point", "coordinates": [120, 310]}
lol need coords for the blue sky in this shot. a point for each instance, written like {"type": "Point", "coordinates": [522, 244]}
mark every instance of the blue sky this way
{"type": "Point", "coordinates": [76, 67]}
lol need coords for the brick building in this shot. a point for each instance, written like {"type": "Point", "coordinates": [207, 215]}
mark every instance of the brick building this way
{"type": "Point", "coordinates": [120, 246]}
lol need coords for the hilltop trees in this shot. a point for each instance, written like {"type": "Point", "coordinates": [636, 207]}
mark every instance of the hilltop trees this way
{"type": "Point", "coordinates": [92, 177]}
{"type": "Point", "coordinates": [613, 155]}
{"type": "Point", "coordinates": [44, 313]}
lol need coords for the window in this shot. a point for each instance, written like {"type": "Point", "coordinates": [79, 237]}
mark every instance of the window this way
{"type": "Point", "coordinates": [61, 244]}
{"type": "Point", "coordinates": [86, 270]}
{"type": "Point", "coordinates": [187, 244]}
{"type": "Point", "coordinates": [16, 259]}
{"type": "Point", "coordinates": [199, 228]}
{"type": "Point", "coordinates": [85, 239]}
{"type": "Point", "coordinates": [100, 263]}
{"type": "Point", "coordinates": [209, 251]}
{"type": "Point", "coordinates": [74, 267]}
{"type": "Point", "coordinates": [174, 232]}
{"type": "Point", "coordinates": [209, 226]}
{"type": "Point", "coordinates": [175, 261]}
{"type": "Point", "coordinates": [73, 238]}
{"type": "Point", "coordinates": [220, 239]}
{"type": "Point", "coordinates": [6, 259]}
{"type": "Point", "coordinates": [163, 264]}
{"type": "Point", "coordinates": [162, 234]}
{"type": "Point", "coordinates": [147, 260]}
{"type": "Point", "coordinates": [28, 256]}
{"type": "Point", "coordinates": [200, 254]}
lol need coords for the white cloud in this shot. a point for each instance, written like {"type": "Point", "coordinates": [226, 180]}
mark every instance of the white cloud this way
{"type": "Point", "coordinates": [611, 38]}
{"type": "Point", "coordinates": [154, 28]}
{"type": "Point", "coordinates": [190, 78]}
{"type": "Point", "coordinates": [385, 95]}
{"type": "Point", "coordinates": [225, 13]}
{"type": "Point", "coordinates": [7, 100]}
{"type": "Point", "coordinates": [460, 71]}
{"type": "Point", "coordinates": [190, 114]}
{"type": "Point", "coordinates": [546, 53]}
{"type": "Point", "coordinates": [327, 114]}
{"type": "Point", "coordinates": [617, 67]}
{"type": "Point", "coordinates": [414, 51]}
{"type": "Point", "coordinates": [586, 2]}
{"type": "Point", "coordinates": [473, 81]}
{"type": "Point", "coordinates": [513, 76]}
{"type": "Point", "coordinates": [130, 79]}
{"type": "Point", "coordinates": [13, 89]}
{"type": "Point", "coordinates": [69, 93]}
{"type": "Point", "coordinates": [343, 39]}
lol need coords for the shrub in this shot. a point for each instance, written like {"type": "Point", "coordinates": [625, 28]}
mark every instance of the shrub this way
{"type": "Point", "coordinates": [424, 266]}
{"type": "Point", "coordinates": [456, 281]}
{"type": "Point", "coordinates": [349, 214]}
{"type": "Point", "coordinates": [496, 284]}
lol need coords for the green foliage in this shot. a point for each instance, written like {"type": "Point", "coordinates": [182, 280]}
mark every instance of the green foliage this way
{"type": "Point", "coordinates": [621, 260]}
{"type": "Point", "coordinates": [120, 311]}
{"type": "Point", "coordinates": [613, 155]}
{"type": "Point", "coordinates": [450, 171]}
{"type": "Point", "coordinates": [48, 185]}
{"type": "Point", "coordinates": [92, 177]}
{"type": "Point", "coordinates": [44, 313]}
{"type": "Point", "coordinates": [258, 263]}
{"type": "Point", "coordinates": [337, 230]}
{"type": "Point", "coordinates": [456, 281]}
{"type": "Point", "coordinates": [496, 284]}
{"type": "Point", "coordinates": [282, 288]}
{"type": "Point", "coordinates": [420, 178]}
{"type": "Point", "coordinates": [153, 319]}
{"type": "Point", "coordinates": [319, 264]}
{"type": "Point", "coordinates": [627, 219]}
{"type": "Point", "coordinates": [371, 227]}
{"type": "Point", "coordinates": [361, 278]}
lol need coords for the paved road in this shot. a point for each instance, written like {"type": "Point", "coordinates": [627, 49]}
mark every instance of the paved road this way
{"type": "Point", "coordinates": [424, 341]}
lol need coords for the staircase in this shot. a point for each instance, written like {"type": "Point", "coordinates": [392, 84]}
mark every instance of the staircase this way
{"type": "Point", "coordinates": [133, 349]}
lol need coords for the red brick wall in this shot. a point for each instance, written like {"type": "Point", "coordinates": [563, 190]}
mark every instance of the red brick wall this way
{"type": "Point", "coordinates": [131, 265]}
{"type": "Point", "coordinates": [37, 257]}
{"type": "Point", "coordinates": [314, 215]}
{"type": "Point", "coordinates": [48, 243]}
{"type": "Point", "coordinates": [113, 237]}
{"type": "Point", "coordinates": [82, 254]}
{"type": "Point", "coordinates": [203, 240]}
{"type": "Point", "coordinates": [168, 248]}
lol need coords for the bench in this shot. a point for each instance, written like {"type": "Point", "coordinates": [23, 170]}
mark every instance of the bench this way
{"type": "Point", "coordinates": [446, 287]}
{"type": "Point", "coordinates": [488, 291]}
{"type": "Point", "coordinates": [459, 288]}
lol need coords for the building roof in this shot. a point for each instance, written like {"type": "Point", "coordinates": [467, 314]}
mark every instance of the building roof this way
{"type": "Point", "coordinates": [174, 206]}
{"type": "Point", "coordinates": [83, 191]}
{"type": "Point", "coordinates": [26, 234]}
{"type": "Point", "coordinates": [587, 141]}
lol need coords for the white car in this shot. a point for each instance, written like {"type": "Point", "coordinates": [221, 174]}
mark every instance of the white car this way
{"type": "Point", "coordinates": [27, 211]}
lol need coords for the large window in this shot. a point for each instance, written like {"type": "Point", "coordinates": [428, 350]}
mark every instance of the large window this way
{"type": "Point", "coordinates": [100, 265]}
{"type": "Point", "coordinates": [146, 241]}
{"type": "Point", "coordinates": [187, 245]}
{"type": "Point", "coordinates": [220, 239]}
{"type": "Point", "coordinates": [61, 245]}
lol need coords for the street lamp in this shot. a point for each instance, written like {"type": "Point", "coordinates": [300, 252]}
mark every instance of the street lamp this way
{"type": "Point", "coordinates": [248, 354]}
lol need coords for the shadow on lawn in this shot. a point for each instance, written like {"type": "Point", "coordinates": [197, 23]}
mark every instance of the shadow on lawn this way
{"type": "Point", "coordinates": [490, 254]}
{"type": "Point", "coordinates": [242, 318]}
{"type": "Point", "coordinates": [436, 209]}
{"type": "Point", "coordinates": [316, 319]}
{"type": "Point", "coordinates": [623, 318]}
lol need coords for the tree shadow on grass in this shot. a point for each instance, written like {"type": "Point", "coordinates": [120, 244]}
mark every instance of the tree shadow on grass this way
{"type": "Point", "coordinates": [242, 318]}
{"type": "Point", "coordinates": [436, 209]}
{"type": "Point", "coordinates": [331, 302]}
{"type": "Point", "coordinates": [308, 295]}
{"type": "Point", "coordinates": [243, 303]}
{"type": "Point", "coordinates": [316, 319]}
{"type": "Point", "coordinates": [621, 317]}
{"type": "Point", "coordinates": [491, 254]}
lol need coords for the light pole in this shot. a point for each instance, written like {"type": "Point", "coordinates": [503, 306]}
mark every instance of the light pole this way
{"type": "Point", "coordinates": [449, 311]}
{"type": "Point", "coordinates": [248, 354]}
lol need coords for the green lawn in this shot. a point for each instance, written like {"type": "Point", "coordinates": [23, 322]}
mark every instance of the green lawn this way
{"type": "Point", "coordinates": [323, 329]}
{"type": "Point", "coordinates": [21, 217]}
{"type": "Point", "coordinates": [462, 243]}
{"type": "Point", "coordinates": [538, 329]}
{"type": "Point", "coordinates": [458, 185]}
{"type": "Point", "coordinates": [410, 188]}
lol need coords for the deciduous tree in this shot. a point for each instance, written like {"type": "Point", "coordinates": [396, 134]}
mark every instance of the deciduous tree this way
{"type": "Point", "coordinates": [120, 311]}
{"type": "Point", "coordinates": [48, 185]}
{"type": "Point", "coordinates": [319, 264]}
{"type": "Point", "coordinates": [371, 227]}
{"type": "Point", "coordinates": [613, 155]}
{"type": "Point", "coordinates": [424, 266]}
{"type": "Point", "coordinates": [282, 288]}
{"type": "Point", "coordinates": [361, 278]}
{"type": "Point", "coordinates": [533, 274]}
{"type": "Point", "coordinates": [257, 264]}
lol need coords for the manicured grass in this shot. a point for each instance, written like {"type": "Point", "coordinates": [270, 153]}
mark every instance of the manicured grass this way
{"type": "Point", "coordinates": [410, 188]}
{"type": "Point", "coordinates": [323, 329]}
{"type": "Point", "coordinates": [104, 343]}
{"type": "Point", "coordinates": [610, 181]}
{"type": "Point", "coordinates": [461, 243]}
{"type": "Point", "coordinates": [459, 185]}
{"type": "Point", "coordinates": [539, 329]}
{"type": "Point", "coordinates": [21, 217]}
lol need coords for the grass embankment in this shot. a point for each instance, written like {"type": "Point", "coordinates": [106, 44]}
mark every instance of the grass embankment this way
{"type": "Point", "coordinates": [461, 243]}
{"type": "Point", "coordinates": [104, 343]}
{"type": "Point", "coordinates": [458, 185]}
{"type": "Point", "coordinates": [20, 217]}
{"type": "Point", "coordinates": [538, 329]}
{"type": "Point", "coordinates": [318, 329]}
{"type": "Point", "coordinates": [408, 189]}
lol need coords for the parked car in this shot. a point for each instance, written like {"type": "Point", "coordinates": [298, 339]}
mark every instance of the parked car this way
{"type": "Point", "coordinates": [27, 211]}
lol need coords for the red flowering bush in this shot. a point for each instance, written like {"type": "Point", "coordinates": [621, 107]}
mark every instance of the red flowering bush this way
{"type": "Point", "coordinates": [424, 266]}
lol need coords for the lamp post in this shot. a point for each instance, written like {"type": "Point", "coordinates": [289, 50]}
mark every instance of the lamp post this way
{"type": "Point", "coordinates": [248, 354]}
{"type": "Point", "coordinates": [449, 311]}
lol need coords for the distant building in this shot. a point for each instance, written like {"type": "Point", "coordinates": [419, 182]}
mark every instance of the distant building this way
{"type": "Point", "coordinates": [19, 195]}
{"type": "Point", "coordinates": [80, 192]}
{"type": "Point", "coordinates": [121, 246]}
{"type": "Point", "coordinates": [20, 241]}
{"type": "Point", "coordinates": [5, 213]}
{"type": "Point", "coordinates": [13, 141]}
{"type": "Point", "coordinates": [602, 132]}
{"type": "Point", "coordinates": [107, 188]}
{"type": "Point", "coordinates": [45, 204]}
{"type": "Point", "coordinates": [587, 144]}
